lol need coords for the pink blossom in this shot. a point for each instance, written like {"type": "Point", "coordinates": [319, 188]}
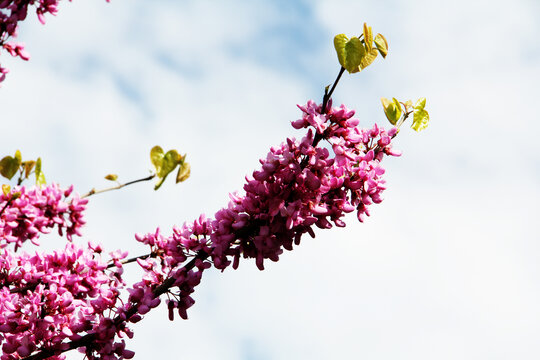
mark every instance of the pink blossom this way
{"type": "Point", "coordinates": [36, 211]}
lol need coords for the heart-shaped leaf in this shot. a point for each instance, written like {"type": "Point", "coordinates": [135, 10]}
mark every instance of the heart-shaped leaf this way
{"type": "Point", "coordinates": [170, 160]}
{"type": "Point", "coordinates": [8, 167]}
{"type": "Point", "coordinates": [350, 52]}
{"type": "Point", "coordinates": [156, 157]}
{"type": "Point", "coordinates": [184, 171]}
{"type": "Point", "coordinates": [381, 44]}
{"type": "Point", "coordinates": [420, 115]}
{"type": "Point", "coordinates": [392, 109]}
{"type": "Point", "coordinates": [168, 163]}
{"type": "Point", "coordinates": [355, 54]}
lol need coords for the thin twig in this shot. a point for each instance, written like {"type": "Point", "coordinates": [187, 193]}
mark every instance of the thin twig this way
{"type": "Point", "coordinates": [94, 191]}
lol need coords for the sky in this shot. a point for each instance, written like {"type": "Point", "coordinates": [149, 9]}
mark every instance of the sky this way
{"type": "Point", "coordinates": [447, 266]}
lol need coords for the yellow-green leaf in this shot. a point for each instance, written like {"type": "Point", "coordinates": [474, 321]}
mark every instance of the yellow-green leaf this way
{"type": "Point", "coordinates": [381, 44]}
{"type": "Point", "coordinates": [28, 166]}
{"type": "Point", "coordinates": [18, 157]}
{"type": "Point", "coordinates": [168, 163]}
{"type": "Point", "coordinates": [339, 44]}
{"type": "Point", "coordinates": [156, 157]}
{"type": "Point", "coordinates": [9, 166]}
{"type": "Point", "coordinates": [40, 177]}
{"type": "Point", "coordinates": [170, 160]}
{"type": "Point", "coordinates": [355, 53]}
{"type": "Point", "coordinates": [111, 177]}
{"type": "Point", "coordinates": [350, 52]}
{"type": "Point", "coordinates": [392, 109]}
{"type": "Point", "coordinates": [368, 37]}
{"type": "Point", "coordinates": [368, 58]}
{"type": "Point", "coordinates": [420, 104]}
{"type": "Point", "coordinates": [420, 119]}
{"type": "Point", "coordinates": [184, 171]}
{"type": "Point", "coordinates": [420, 115]}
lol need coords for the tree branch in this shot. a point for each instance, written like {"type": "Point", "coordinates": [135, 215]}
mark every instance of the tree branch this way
{"type": "Point", "coordinates": [94, 191]}
{"type": "Point", "coordinates": [328, 95]}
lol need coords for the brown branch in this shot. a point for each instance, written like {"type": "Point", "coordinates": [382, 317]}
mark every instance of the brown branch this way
{"type": "Point", "coordinates": [119, 186]}
{"type": "Point", "coordinates": [328, 95]}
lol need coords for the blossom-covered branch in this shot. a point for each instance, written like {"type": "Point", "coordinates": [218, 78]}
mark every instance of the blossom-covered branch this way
{"type": "Point", "coordinates": [300, 185]}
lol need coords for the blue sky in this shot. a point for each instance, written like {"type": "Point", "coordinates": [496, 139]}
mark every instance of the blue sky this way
{"type": "Point", "coordinates": [446, 267]}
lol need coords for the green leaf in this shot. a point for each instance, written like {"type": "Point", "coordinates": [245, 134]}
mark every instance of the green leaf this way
{"type": "Point", "coordinates": [184, 171]}
{"type": "Point", "coordinates": [40, 177]}
{"type": "Point", "coordinates": [349, 52]}
{"type": "Point", "coordinates": [368, 58]}
{"type": "Point", "coordinates": [9, 166]}
{"type": "Point", "coordinates": [368, 37]}
{"type": "Point", "coordinates": [6, 189]}
{"type": "Point", "coordinates": [420, 104]}
{"type": "Point", "coordinates": [156, 156]}
{"type": "Point", "coordinates": [170, 160]}
{"type": "Point", "coordinates": [381, 44]}
{"type": "Point", "coordinates": [28, 166]}
{"type": "Point", "coordinates": [168, 163]}
{"type": "Point", "coordinates": [392, 109]}
{"type": "Point", "coordinates": [18, 157]}
{"type": "Point", "coordinates": [339, 44]}
{"type": "Point", "coordinates": [111, 177]}
{"type": "Point", "coordinates": [420, 115]}
{"type": "Point", "coordinates": [355, 53]}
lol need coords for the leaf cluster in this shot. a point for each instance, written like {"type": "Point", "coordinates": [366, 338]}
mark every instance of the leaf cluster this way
{"type": "Point", "coordinates": [167, 162]}
{"type": "Point", "coordinates": [11, 165]}
{"type": "Point", "coordinates": [397, 112]}
{"type": "Point", "coordinates": [357, 53]}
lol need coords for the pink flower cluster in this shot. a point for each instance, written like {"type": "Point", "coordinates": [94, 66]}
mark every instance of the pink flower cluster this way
{"type": "Point", "coordinates": [50, 298]}
{"type": "Point", "coordinates": [38, 210]}
{"type": "Point", "coordinates": [300, 185]}
{"type": "Point", "coordinates": [71, 299]}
